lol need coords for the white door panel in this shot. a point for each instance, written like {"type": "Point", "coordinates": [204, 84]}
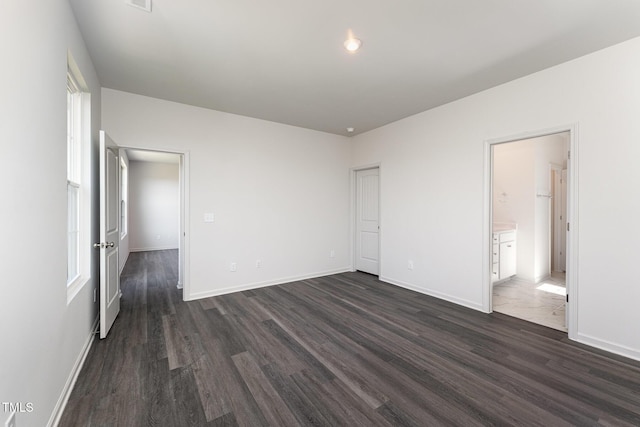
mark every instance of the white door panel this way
{"type": "Point", "coordinates": [109, 233]}
{"type": "Point", "coordinates": [369, 246]}
{"type": "Point", "coordinates": [367, 221]}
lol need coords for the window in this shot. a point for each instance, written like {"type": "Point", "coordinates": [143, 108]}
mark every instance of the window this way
{"type": "Point", "coordinates": [78, 129]}
{"type": "Point", "coordinates": [124, 195]}
{"type": "Point", "coordinates": [74, 166]}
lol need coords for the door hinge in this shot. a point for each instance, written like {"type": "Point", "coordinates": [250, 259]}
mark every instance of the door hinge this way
{"type": "Point", "coordinates": [567, 297]}
{"type": "Point", "coordinates": [568, 228]}
{"type": "Point", "coordinates": [568, 155]}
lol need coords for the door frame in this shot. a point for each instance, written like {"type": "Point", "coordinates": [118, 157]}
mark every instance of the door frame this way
{"type": "Point", "coordinates": [353, 196]}
{"type": "Point", "coordinates": [184, 281]}
{"type": "Point", "coordinates": [572, 219]}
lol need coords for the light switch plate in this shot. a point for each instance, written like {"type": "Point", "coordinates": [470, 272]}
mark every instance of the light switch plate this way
{"type": "Point", "coordinates": [209, 217]}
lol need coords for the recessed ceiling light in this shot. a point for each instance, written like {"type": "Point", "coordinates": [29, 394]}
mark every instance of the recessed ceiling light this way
{"type": "Point", "coordinates": [352, 44]}
{"type": "Point", "coordinates": [350, 130]}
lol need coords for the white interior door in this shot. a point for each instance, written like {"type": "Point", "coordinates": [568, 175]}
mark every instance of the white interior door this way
{"type": "Point", "coordinates": [109, 233]}
{"type": "Point", "coordinates": [367, 221]}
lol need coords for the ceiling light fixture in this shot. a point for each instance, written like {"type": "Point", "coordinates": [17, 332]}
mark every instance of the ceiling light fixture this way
{"type": "Point", "coordinates": [352, 44]}
{"type": "Point", "coordinates": [350, 130]}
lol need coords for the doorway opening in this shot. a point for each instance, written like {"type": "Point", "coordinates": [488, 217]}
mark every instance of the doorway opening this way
{"type": "Point", "coordinates": [155, 207]}
{"type": "Point", "coordinates": [529, 206]}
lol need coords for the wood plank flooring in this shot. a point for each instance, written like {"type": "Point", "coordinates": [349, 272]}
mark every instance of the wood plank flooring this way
{"type": "Point", "coordinates": [343, 350]}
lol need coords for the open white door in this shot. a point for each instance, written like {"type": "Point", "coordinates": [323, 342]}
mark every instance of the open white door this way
{"type": "Point", "coordinates": [109, 233]}
{"type": "Point", "coordinates": [367, 221]}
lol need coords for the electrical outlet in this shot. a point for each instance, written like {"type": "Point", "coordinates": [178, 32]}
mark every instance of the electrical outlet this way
{"type": "Point", "coordinates": [233, 266]}
{"type": "Point", "coordinates": [332, 253]}
{"type": "Point", "coordinates": [11, 421]}
{"type": "Point", "coordinates": [209, 217]}
{"type": "Point", "coordinates": [258, 263]}
{"type": "Point", "coordinates": [410, 265]}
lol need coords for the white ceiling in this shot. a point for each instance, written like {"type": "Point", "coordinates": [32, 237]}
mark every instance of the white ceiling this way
{"type": "Point", "coordinates": [283, 60]}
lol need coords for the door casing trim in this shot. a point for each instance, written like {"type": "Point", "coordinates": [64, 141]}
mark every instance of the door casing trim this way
{"type": "Point", "coordinates": [184, 281]}
{"type": "Point", "coordinates": [572, 219]}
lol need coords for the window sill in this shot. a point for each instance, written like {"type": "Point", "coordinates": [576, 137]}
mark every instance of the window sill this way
{"type": "Point", "coordinates": [74, 287]}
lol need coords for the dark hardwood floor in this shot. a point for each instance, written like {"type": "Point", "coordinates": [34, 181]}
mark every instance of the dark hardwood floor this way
{"type": "Point", "coordinates": [343, 350]}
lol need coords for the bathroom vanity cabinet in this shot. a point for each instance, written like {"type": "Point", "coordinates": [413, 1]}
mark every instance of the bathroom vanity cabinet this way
{"type": "Point", "coordinates": [503, 254]}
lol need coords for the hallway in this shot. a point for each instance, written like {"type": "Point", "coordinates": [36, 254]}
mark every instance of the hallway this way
{"type": "Point", "coordinates": [127, 374]}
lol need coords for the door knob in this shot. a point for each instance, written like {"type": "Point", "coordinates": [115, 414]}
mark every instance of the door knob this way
{"type": "Point", "coordinates": [103, 245]}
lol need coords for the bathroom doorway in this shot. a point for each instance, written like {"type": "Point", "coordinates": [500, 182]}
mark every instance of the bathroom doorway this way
{"type": "Point", "coordinates": [528, 211]}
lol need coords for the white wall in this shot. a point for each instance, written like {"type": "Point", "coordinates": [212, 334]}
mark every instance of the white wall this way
{"type": "Point", "coordinates": [551, 149]}
{"type": "Point", "coordinates": [521, 172]}
{"type": "Point", "coordinates": [279, 193]}
{"type": "Point", "coordinates": [432, 187]}
{"type": "Point", "coordinates": [154, 206]}
{"type": "Point", "coordinates": [42, 335]}
{"type": "Point", "coordinates": [514, 198]}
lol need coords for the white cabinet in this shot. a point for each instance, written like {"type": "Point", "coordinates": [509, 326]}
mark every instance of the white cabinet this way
{"type": "Point", "coordinates": [503, 255]}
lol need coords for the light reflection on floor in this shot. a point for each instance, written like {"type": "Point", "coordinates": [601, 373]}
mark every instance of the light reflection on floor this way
{"type": "Point", "coordinates": [542, 303]}
{"type": "Point", "coordinates": [554, 289]}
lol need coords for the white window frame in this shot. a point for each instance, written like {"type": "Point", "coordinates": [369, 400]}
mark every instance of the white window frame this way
{"type": "Point", "coordinates": [124, 198]}
{"type": "Point", "coordinates": [78, 180]}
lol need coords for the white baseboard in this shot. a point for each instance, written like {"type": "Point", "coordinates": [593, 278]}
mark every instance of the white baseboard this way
{"type": "Point", "coordinates": [73, 376]}
{"type": "Point", "coordinates": [432, 293]}
{"type": "Point", "coordinates": [609, 346]}
{"type": "Point", "coordinates": [256, 285]}
{"type": "Point", "coordinates": [153, 248]}
{"type": "Point", "coordinates": [125, 262]}
{"type": "Point", "coordinates": [581, 338]}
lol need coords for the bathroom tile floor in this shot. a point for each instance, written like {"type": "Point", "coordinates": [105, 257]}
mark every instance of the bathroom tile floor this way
{"type": "Point", "coordinates": [542, 303]}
